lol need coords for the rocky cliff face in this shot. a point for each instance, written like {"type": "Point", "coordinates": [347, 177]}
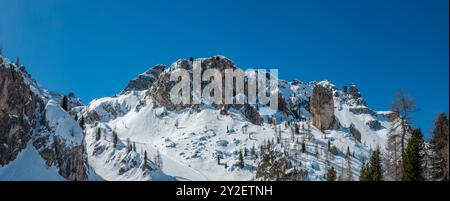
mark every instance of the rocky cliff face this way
{"type": "Point", "coordinates": [322, 107]}
{"type": "Point", "coordinates": [145, 80]}
{"type": "Point", "coordinates": [71, 161]}
{"type": "Point", "coordinates": [18, 108]}
{"type": "Point", "coordinates": [160, 91]}
{"type": "Point", "coordinates": [23, 119]}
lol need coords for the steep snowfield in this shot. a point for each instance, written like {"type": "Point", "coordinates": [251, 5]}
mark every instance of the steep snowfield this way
{"type": "Point", "coordinates": [190, 151]}
{"type": "Point", "coordinates": [29, 166]}
{"type": "Point", "coordinates": [64, 126]}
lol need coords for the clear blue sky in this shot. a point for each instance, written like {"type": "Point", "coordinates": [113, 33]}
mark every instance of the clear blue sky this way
{"type": "Point", "coordinates": [94, 47]}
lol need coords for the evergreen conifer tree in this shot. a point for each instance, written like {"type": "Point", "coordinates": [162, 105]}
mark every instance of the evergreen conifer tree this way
{"type": "Point", "coordinates": [331, 174]}
{"type": "Point", "coordinates": [413, 158]}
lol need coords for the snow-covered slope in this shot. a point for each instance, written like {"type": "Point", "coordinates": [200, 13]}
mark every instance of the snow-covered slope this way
{"type": "Point", "coordinates": [191, 139]}
{"type": "Point", "coordinates": [110, 138]}
{"type": "Point", "coordinates": [29, 166]}
{"type": "Point", "coordinates": [31, 116]}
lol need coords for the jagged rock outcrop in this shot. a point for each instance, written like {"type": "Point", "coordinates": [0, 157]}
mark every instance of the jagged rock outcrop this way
{"type": "Point", "coordinates": [145, 80]}
{"type": "Point", "coordinates": [362, 110]}
{"type": "Point", "coordinates": [355, 133]}
{"type": "Point", "coordinates": [18, 107]}
{"type": "Point", "coordinates": [334, 150]}
{"type": "Point", "coordinates": [355, 95]}
{"type": "Point", "coordinates": [322, 107]}
{"type": "Point", "coordinates": [374, 125]}
{"type": "Point", "coordinates": [23, 119]}
{"type": "Point", "coordinates": [70, 161]}
{"type": "Point", "coordinates": [160, 91]}
{"type": "Point", "coordinates": [59, 140]}
{"type": "Point", "coordinates": [252, 114]}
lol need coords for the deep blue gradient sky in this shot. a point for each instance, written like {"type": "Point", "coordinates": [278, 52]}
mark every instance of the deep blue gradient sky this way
{"type": "Point", "coordinates": [94, 48]}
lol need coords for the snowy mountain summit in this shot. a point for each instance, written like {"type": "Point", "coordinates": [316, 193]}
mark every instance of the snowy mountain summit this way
{"type": "Point", "coordinates": [139, 134]}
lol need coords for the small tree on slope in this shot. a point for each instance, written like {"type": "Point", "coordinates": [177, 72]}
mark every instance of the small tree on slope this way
{"type": "Point", "coordinates": [413, 158]}
{"type": "Point", "coordinates": [64, 103]}
{"type": "Point", "coordinates": [331, 174]}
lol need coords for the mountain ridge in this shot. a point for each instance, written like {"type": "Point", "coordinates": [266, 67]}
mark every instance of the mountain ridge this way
{"type": "Point", "coordinates": [203, 138]}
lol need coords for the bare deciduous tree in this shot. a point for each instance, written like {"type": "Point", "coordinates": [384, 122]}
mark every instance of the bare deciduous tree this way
{"type": "Point", "coordinates": [403, 106]}
{"type": "Point", "coordinates": [393, 155]}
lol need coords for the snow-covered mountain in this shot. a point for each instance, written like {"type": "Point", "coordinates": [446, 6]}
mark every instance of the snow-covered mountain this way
{"type": "Point", "coordinates": [182, 142]}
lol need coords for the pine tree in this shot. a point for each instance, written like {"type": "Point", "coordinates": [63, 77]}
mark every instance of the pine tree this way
{"type": "Point", "coordinates": [297, 129]}
{"type": "Point", "coordinates": [253, 151]}
{"type": "Point", "coordinates": [375, 170]}
{"type": "Point", "coordinates": [413, 158]}
{"type": "Point", "coordinates": [316, 150]}
{"type": "Point", "coordinates": [372, 171]}
{"type": "Point", "coordinates": [158, 159]}
{"type": "Point", "coordinates": [115, 139]}
{"type": "Point", "coordinates": [331, 174]}
{"type": "Point", "coordinates": [364, 176]}
{"type": "Point", "coordinates": [292, 137]}
{"type": "Point", "coordinates": [129, 146]}
{"type": "Point", "coordinates": [303, 147]}
{"type": "Point", "coordinates": [98, 134]}
{"type": "Point", "coordinates": [144, 166]}
{"type": "Point", "coordinates": [439, 145]}
{"type": "Point", "coordinates": [64, 103]}
{"type": "Point", "coordinates": [82, 122]}
{"type": "Point", "coordinates": [347, 155]}
{"type": "Point", "coordinates": [327, 158]}
{"type": "Point", "coordinates": [134, 146]}
{"type": "Point", "coordinates": [279, 136]}
{"type": "Point", "coordinates": [241, 160]}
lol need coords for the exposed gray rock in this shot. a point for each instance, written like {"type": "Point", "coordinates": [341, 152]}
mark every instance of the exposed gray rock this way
{"type": "Point", "coordinates": [356, 95]}
{"type": "Point", "coordinates": [70, 160]}
{"type": "Point", "coordinates": [160, 91]}
{"type": "Point", "coordinates": [21, 104]}
{"type": "Point", "coordinates": [18, 107]}
{"type": "Point", "coordinates": [362, 110]}
{"type": "Point", "coordinates": [355, 133]}
{"type": "Point", "coordinates": [334, 150]}
{"type": "Point", "coordinates": [145, 80]}
{"type": "Point", "coordinates": [374, 125]}
{"type": "Point", "coordinates": [252, 114]}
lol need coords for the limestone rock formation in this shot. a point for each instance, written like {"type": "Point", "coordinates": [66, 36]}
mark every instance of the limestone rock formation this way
{"type": "Point", "coordinates": [18, 106]}
{"type": "Point", "coordinates": [145, 80]}
{"type": "Point", "coordinates": [322, 107]}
